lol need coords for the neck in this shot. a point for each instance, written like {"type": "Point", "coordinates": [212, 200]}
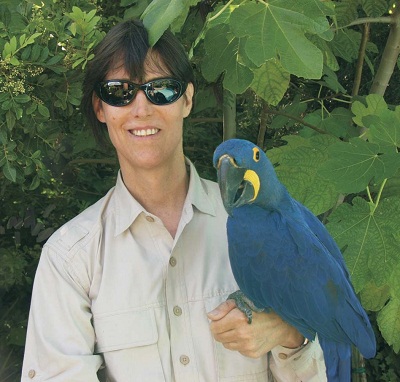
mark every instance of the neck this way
{"type": "Point", "coordinates": [161, 191]}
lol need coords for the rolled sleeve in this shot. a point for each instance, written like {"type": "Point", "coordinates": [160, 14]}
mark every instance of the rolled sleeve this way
{"type": "Point", "coordinates": [60, 337]}
{"type": "Point", "coordinates": [305, 364]}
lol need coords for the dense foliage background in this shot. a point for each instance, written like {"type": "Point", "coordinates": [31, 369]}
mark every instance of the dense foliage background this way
{"type": "Point", "coordinates": [314, 82]}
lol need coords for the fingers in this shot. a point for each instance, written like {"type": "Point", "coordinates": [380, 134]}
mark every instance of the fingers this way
{"type": "Point", "coordinates": [229, 326]}
{"type": "Point", "coordinates": [221, 310]}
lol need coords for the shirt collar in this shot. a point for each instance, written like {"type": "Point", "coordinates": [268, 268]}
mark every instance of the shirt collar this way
{"type": "Point", "coordinates": [127, 208]}
{"type": "Point", "coordinates": [198, 194]}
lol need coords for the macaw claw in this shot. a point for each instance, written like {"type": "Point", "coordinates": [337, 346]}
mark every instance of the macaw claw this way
{"type": "Point", "coordinates": [244, 304]}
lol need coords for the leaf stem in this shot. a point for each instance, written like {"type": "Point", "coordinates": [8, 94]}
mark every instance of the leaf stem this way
{"type": "Point", "coordinates": [221, 11]}
{"type": "Point", "coordinates": [369, 196]}
{"type": "Point", "coordinates": [378, 198]}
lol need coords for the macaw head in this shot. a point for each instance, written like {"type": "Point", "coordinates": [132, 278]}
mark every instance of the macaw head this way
{"type": "Point", "coordinates": [245, 174]}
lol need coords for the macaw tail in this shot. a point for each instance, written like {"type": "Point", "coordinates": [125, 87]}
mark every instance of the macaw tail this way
{"type": "Point", "coordinates": [337, 360]}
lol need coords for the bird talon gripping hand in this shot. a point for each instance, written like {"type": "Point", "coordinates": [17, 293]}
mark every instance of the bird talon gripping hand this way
{"type": "Point", "coordinates": [284, 259]}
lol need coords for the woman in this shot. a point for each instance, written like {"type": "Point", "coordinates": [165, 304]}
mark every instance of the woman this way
{"type": "Point", "coordinates": [134, 288]}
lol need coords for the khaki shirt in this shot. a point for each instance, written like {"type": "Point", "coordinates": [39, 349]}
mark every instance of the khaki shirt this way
{"type": "Point", "coordinates": [115, 292]}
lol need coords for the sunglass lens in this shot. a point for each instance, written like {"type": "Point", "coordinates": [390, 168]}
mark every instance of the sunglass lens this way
{"type": "Point", "coordinates": [117, 93]}
{"type": "Point", "coordinates": [163, 92]}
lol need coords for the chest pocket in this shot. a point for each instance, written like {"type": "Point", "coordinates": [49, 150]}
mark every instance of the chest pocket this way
{"type": "Point", "coordinates": [232, 366]}
{"type": "Point", "coordinates": [129, 343]}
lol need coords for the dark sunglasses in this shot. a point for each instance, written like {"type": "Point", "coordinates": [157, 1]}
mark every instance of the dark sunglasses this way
{"type": "Point", "coordinates": [161, 91]}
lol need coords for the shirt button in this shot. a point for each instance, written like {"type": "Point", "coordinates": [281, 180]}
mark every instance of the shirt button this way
{"type": "Point", "coordinates": [282, 355]}
{"type": "Point", "coordinates": [31, 373]}
{"type": "Point", "coordinates": [172, 261]}
{"type": "Point", "coordinates": [184, 359]}
{"type": "Point", "coordinates": [150, 219]}
{"type": "Point", "coordinates": [177, 311]}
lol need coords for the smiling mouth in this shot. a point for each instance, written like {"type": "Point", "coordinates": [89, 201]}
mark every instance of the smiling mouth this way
{"type": "Point", "coordinates": [144, 132]}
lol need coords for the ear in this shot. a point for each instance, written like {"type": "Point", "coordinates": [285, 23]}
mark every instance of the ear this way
{"type": "Point", "coordinates": [98, 108]}
{"type": "Point", "coordinates": [188, 99]}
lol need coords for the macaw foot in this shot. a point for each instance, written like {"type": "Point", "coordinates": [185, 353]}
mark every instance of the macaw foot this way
{"type": "Point", "coordinates": [244, 304]}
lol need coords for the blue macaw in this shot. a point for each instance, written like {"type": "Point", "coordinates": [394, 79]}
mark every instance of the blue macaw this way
{"type": "Point", "coordinates": [284, 259]}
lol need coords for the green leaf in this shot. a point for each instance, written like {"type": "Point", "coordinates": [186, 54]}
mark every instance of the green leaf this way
{"type": "Point", "coordinates": [22, 39]}
{"type": "Point", "coordinates": [338, 122]}
{"type": "Point", "coordinates": [31, 108]}
{"type": "Point", "coordinates": [35, 183]}
{"type": "Point", "coordinates": [10, 119]}
{"type": "Point", "coordinates": [73, 28]}
{"type": "Point", "coordinates": [76, 14]}
{"type": "Point", "coordinates": [43, 110]}
{"type": "Point", "coordinates": [44, 54]}
{"type": "Point", "coordinates": [374, 298]}
{"type": "Point", "coordinates": [353, 165]}
{"type": "Point", "coordinates": [14, 61]}
{"type": "Point", "coordinates": [374, 8]}
{"type": "Point", "coordinates": [10, 172]}
{"type": "Point", "coordinates": [13, 44]}
{"type": "Point", "coordinates": [346, 44]}
{"type": "Point", "coordinates": [22, 98]}
{"type": "Point", "coordinates": [3, 137]}
{"type": "Point", "coordinates": [31, 39]}
{"type": "Point", "coordinates": [296, 109]}
{"type": "Point", "coordinates": [36, 154]}
{"type": "Point", "coordinates": [298, 163]}
{"type": "Point", "coordinates": [278, 29]}
{"type": "Point", "coordinates": [389, 323]}
{"type": "Point", "coordinates": [384, 129]}
{"type": "Point", "coordinates": [36, 50]}
{"type": "Point", "coordinates": [54, 60]}
{"type": "Point", "coordinates": [271, 81]}
{"type": "Point", "coordinates": [26, 52]}
{"type": "Point", "coordinates": [330, 60]}
{"type": "Point", "coordinates": [7, 104]}
{"type": "Point", "coordinates": [375, 104]}
{"type": "Point", "coordinates": [225, 54]}
{"type": "Point", "coordinates": [330, 80]}
{"type": "Point", "coordinates": [159, 15]}
{"type": "Point", "coordinates": [370, 239]}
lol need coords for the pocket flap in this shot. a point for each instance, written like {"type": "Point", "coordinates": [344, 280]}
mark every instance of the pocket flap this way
{"type": "Point", "coordinates": [124, 330]}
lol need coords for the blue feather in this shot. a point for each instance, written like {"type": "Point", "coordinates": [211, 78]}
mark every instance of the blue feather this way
{"type": "Point", "coordinates": [283, 258]}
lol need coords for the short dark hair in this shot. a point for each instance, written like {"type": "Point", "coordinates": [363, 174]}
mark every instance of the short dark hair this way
{"type": "Point", "coordinates": [128, 42]}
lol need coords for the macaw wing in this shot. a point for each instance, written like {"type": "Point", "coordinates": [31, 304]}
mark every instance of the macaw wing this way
{"type": "Point", "coordinates": [279, 263]}
{"type": "Point", "coordinates": [321, 232]}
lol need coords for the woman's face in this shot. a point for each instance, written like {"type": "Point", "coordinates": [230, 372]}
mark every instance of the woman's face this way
{"type": "Point", "coordinates": [145, 135]}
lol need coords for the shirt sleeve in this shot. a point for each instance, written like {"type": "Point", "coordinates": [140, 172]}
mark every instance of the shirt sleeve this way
{"type": "Point", "coordinates": [306, 364]}
{"type": "Point", "coordinates": [60, 338]}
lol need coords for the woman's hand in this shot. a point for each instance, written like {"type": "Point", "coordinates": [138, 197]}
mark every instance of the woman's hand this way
{"type": "Point", "coordinates": [230, 327]}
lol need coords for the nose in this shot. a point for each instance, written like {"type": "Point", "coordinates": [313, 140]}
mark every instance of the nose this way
{"type": "Point", "coordinates": [141, 106]}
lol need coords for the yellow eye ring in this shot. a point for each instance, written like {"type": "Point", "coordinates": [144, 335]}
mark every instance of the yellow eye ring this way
{"type": "Point", "coordinates": [256, 154]}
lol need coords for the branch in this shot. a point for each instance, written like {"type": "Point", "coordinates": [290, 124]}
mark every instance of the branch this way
{"type": "Point", "coordinates": [229, 115]}
{"type": "Point", "coordinates": [263, 125]}
{"type": "Point", "coordinates": [300, 120]}
{"type": "Point", "coordinates": [360, 61]}
{"type": "Point", "coordinates": [369, 20]}
{"type": "Point", "coordinates": [389, 56]}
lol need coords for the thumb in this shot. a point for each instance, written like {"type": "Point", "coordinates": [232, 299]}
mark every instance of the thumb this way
{"type": "Point", "coordinates": [221, 310]}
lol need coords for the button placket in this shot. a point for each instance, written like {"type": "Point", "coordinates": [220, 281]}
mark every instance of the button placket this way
{"type": "Point", "coordinates": [179, 331]}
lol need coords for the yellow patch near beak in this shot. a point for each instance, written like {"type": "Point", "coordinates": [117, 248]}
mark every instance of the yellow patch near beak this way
{"type": "Point", "coordinates": [252, 177]}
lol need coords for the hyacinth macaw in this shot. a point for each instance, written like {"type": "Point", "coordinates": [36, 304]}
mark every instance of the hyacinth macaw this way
{"type": "Point", "coordinates": [284, 259]}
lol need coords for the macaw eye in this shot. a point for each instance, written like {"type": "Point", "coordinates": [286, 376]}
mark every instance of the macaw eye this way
{"type": "Point", "coordinates": [256, 154]}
